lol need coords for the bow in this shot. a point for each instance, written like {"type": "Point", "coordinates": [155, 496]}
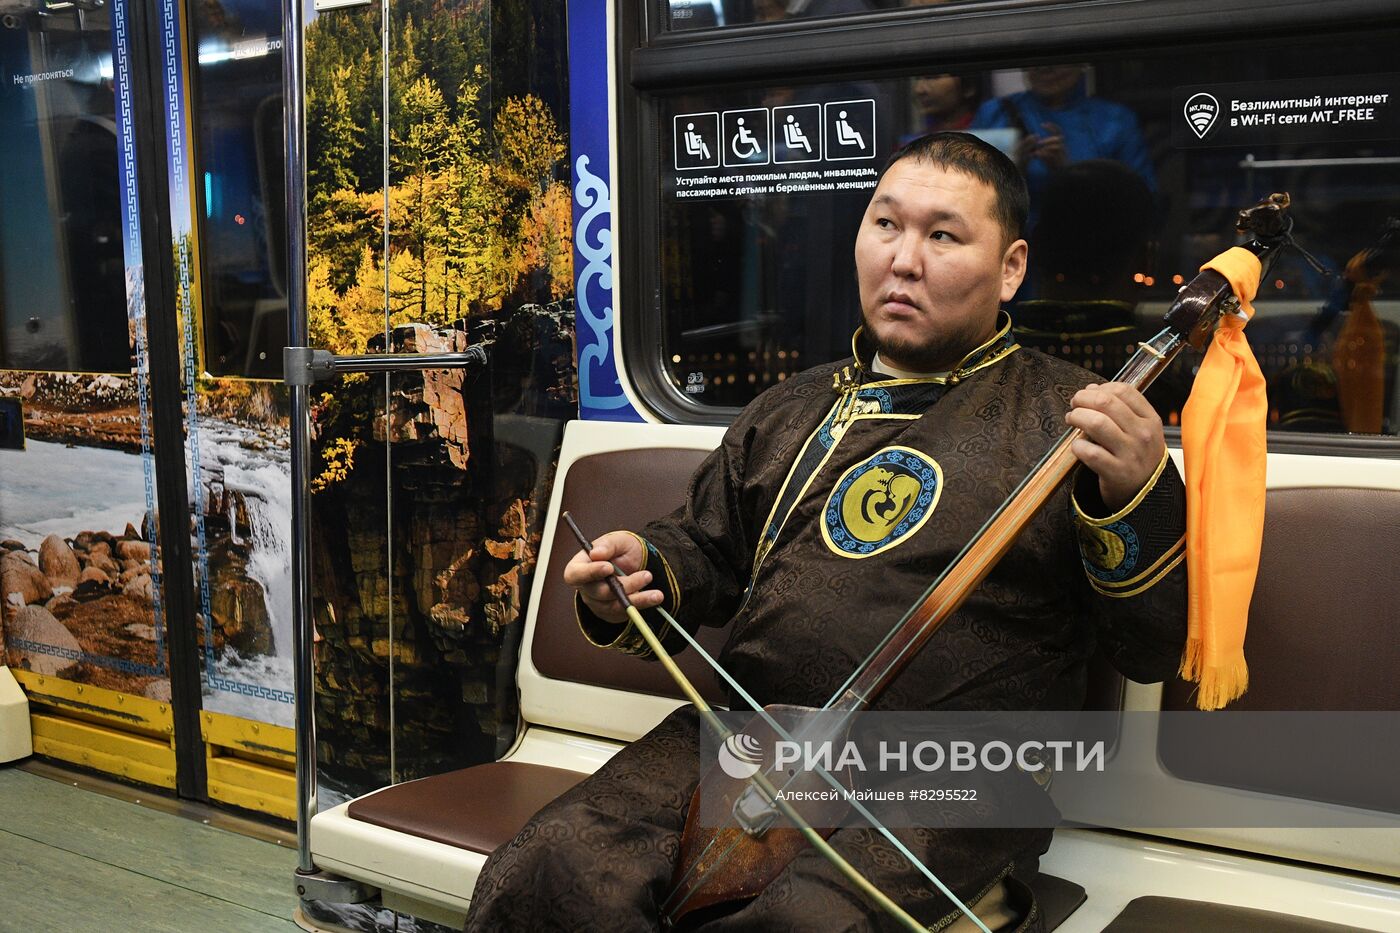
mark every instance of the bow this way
{"type": "Point", "coordinates": [770, 795]}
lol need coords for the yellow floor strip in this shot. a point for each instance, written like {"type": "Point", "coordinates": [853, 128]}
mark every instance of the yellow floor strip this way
{"type": "Point", "coordinates": [250, 764]}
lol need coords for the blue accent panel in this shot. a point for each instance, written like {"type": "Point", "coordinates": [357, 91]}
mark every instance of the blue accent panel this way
{"type": "Point", "coordinates": [601, 396]}
{"type": "Point", "coordinates": [136, 308]}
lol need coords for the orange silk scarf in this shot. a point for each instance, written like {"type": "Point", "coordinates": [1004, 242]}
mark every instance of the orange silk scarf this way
{"type": "Point", "coordinates": [1223, 441]}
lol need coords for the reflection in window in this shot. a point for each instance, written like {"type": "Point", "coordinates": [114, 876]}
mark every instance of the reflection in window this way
{"type": "Point", "coordinates": [62, 285]}
{"type": "Point", "coordinates": [757, 277]}
{"type": "Point", "coordinates": [239, 181]}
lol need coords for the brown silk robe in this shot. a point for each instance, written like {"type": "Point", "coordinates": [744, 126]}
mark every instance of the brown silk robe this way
{"type": "Point", "coordinates": [865, 488]}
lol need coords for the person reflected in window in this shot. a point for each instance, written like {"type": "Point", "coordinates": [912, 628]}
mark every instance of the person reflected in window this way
{"type": "Point", "coordinates": [944, 102]}
{"type": "Point", "coordinates": [1364, 352]}
{"type": "Point", "coordinates": [1059, 123]}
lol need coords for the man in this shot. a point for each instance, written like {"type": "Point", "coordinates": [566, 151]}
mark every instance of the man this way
{"type": "Point", "coordinates": [1060, 123]}
{"type": "Point", "coordinates": [833, 501]}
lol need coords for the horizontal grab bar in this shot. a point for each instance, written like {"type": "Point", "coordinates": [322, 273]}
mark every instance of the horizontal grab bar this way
{"type": "Point", "coordinates": [305, 365]}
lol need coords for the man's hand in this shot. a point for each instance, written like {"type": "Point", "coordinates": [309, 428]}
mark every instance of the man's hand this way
{"type": "Point", "coordinates": [588, 573]}
{"type": "Point", "coordinates": [1122, 443]}
{"type": "Point", "coordinates": [1049, 148]}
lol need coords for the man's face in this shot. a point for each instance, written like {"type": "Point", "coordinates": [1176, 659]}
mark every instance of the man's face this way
{"type": "Point", "coordinates": [933, 266]}
{"type": "Point", "coordinates": [939, 94]}
{"type": "Point", "coordinates": [1053, 83]}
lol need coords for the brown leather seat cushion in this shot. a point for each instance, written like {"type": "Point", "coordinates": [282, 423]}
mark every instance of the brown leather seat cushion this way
{"type": "Point", "coordinates": [605, 492]}
{"type": "Point", "coordinates": [475, 808]}
{"type": "Point", "coordinates": [1175, 915]}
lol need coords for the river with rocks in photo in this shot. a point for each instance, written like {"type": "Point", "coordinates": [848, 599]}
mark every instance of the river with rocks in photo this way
{"type": "Point", "coordinates": [245, 473]}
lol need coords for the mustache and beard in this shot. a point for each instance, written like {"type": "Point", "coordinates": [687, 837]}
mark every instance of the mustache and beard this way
{"type": "Point", "coordinates": [936, 352]}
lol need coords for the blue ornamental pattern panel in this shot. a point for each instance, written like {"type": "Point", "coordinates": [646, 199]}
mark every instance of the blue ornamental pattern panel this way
{"type": "Point", "coordinates": [602, 396]}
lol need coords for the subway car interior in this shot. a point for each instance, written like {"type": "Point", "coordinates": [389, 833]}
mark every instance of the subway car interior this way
{"type": "Point", "coordinates": [377, 313]}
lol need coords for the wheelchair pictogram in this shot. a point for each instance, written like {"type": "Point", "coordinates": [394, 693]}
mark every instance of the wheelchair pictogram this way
{"type": "Point", "coordinates": [746, 137]}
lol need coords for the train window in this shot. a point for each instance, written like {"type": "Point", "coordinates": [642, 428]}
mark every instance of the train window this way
{"type": "Point", "coordinates": [1135, 173]}
{"type": "Point", "coordinates": [62, 283]}
{"type": "Point", "coordinates": [703, 14]}
{"type": "Point", "coordinates": [239, 186]}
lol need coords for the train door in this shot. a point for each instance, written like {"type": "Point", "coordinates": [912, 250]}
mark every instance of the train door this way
{"type": "Point", "coordinates": [145, 310]}
{"type": "Point", "coordinates": [144, 508]}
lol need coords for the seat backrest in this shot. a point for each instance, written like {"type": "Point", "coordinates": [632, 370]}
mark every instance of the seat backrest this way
{"type": "Point", "coordinates": [610, 476]}
{"type": "Point", "coordinates": [1322, 637]}
{"type": "Point", "coordinates": [1321, 640]}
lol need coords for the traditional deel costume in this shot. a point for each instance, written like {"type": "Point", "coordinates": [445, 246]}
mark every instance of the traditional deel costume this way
{"type": "Point", "coordinates": [832, 503]}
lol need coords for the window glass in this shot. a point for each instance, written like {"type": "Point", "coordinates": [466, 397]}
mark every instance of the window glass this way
{"type": "Point", "coordinates": [238, 126]}
{"type": "Point", "coordinates": [708, 14]}
{"type": "Point", "coordinates": [1136, 169]}
{"type": "Point", "coordinates": [62, 285]}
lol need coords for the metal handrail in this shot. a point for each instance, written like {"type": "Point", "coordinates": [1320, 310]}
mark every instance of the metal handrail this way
{"type": "Point", "coordinates": [302, 366]}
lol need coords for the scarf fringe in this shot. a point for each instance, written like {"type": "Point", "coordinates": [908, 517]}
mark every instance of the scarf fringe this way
{"type": "Point", "coordinates": [1220, 684]}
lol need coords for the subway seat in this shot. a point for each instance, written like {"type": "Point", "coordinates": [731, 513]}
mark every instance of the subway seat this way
{"type": "Point", "coordinates": [423, 843]}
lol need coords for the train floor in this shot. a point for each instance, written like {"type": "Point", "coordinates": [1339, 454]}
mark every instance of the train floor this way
{"type": "Point", "coordinates": [76, 861]}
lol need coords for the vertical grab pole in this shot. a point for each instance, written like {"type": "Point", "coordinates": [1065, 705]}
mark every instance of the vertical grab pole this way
{"type": "Point", "coordinates": [294, 134]}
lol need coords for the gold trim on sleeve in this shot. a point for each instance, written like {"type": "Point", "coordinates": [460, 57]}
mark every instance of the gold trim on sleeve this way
{"type": "Point", "coordinates": [1122, 584]}
{"type": "Point", "coordinates": [1121, 513]}
{"type": "Point", "coordinates": [622, 628]}
{"type": "Point", "coordinates": [1146, 586]}
{"type": "Point", "coordinates": [671, 583]}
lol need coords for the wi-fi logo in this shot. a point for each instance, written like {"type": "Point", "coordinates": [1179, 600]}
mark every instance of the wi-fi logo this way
{"type": "Point", "coordinates": [739, 756]}
{"type": "Point", "coordinates": [1201, 111]}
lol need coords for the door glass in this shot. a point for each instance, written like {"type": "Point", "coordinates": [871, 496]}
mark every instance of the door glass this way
{"type": "Point", "coordinates": [226, 172]}
{"type": "Point", "coordinates": [345, 307]}
{"type": "Point", "coordinates": [62, 291]}
{"type": "Point", "coordinates": [239, 185]}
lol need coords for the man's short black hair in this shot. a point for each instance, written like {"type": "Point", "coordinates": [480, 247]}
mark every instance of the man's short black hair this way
{"type": "Point", "coordinates": [963, 152]}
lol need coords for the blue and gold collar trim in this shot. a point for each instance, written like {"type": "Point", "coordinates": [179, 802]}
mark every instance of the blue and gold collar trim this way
{"type": "Point", "coordinates": [1001, 345]}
